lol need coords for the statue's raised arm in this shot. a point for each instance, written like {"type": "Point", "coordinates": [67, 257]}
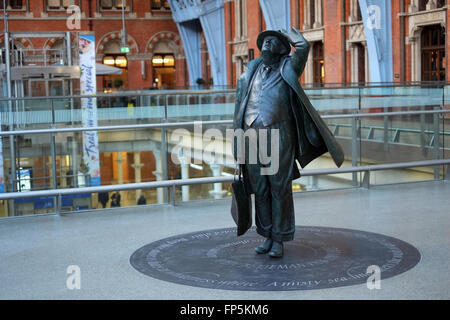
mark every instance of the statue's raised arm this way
{"type": "Point", "coordinates": [301, 49]}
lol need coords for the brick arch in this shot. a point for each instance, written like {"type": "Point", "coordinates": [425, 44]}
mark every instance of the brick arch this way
{"type": "Point", "coordinates": [51, 41]}
{"type": "Point", "coordinates": [21, 42]}
{"type": "Point", "coordinates": [165, 35]}
{"type": "Point", "coordinates": [116, 35]}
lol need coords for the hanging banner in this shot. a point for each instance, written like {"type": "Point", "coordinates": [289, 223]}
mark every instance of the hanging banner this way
{"type": "Point", "coordinates": [2, 172]}
{"type": "Point", "coordinates": [88, 86]}
{"type": "Point", "coordinates": [2, 181]}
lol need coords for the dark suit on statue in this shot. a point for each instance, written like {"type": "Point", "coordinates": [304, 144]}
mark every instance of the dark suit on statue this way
{"type": "Point", "coordinates": [272, 98]}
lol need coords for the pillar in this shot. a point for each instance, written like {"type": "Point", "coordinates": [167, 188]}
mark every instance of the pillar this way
{"type": "Point", "coordinates": [217, 192]}
{"type": "Point", "coordinates": [185, 175]}
{"type": "Point", "coordinates": [137, 165]}
{"type": "Point", "coordinates": [119, 161]}
{"type": "Point", "coordinates": [159, 176]}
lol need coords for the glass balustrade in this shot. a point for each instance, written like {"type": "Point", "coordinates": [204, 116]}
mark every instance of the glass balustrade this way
{"type": "Point", "coordinates": [395, 124]}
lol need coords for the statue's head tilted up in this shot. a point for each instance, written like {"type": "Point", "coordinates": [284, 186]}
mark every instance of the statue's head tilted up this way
{"type": "Point", "coordinates": [273, 45]}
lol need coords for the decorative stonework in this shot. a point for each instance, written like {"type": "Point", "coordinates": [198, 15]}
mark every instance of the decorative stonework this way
{"type": "Point", "coordinates": [24, 43]}
{"type": "Point", "coordinates": [51, 41]}
{"type": "Point", "coordinates": [173, 39]}
{"type": "Point", "coordinates": [313, 35]}
{"type": "Point", "coordinates": [416, 22]}
{"type": "Point", "coordinates": [116, 35]}
{"type": "Point", "coordinates": [356, 33]}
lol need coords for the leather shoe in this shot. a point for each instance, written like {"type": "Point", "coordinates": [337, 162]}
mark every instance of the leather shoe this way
{"type": "Point", "coordinates": [277, 250]}
{"type": "Point", "coordinates": [265, 247]}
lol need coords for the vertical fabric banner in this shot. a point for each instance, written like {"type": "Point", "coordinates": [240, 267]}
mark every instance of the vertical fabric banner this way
{"type": "Point", "coordinates": [88, 86]}
{"type": "Point", "coordinates": [2, 172]}
{"type": "Point", "coordinates": [376, 15]}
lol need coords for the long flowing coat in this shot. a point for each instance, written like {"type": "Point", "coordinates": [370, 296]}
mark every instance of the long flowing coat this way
{"type": "Point", "coordinates": [314, 138]}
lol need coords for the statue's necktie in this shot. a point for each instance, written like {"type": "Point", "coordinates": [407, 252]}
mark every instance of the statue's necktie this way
{"type": "Point", "coordinates": [265, 73]}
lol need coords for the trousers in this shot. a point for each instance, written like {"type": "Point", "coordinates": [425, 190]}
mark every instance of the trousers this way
{"type": "Point", "coordinates": [274, 206]}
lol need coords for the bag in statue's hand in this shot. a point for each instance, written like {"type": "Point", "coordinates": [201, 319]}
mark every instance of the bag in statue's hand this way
{"type": "Point", "coordinates": [241, 206]}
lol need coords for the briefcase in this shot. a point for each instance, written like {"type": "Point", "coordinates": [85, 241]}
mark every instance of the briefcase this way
{"type": "Point", "coordinates": [241, 205]}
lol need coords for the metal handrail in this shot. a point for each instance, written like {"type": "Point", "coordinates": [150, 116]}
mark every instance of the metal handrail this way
{"type": "Point", "coordinates": [208, 180]}
{"type": "Point", "coordinates": [206, 122]}
{"type": "Point", "coordinates": [190, 91]}
{"type": "Point", "coordinates": [123, 94]}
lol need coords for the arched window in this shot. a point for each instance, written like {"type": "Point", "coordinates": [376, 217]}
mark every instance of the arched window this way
{"type": "Point", "coordinates": [163, 64]}
{"type": "Point", "coordinates": [12, 4]}
{"type": "Point", "coordinates": [160, 5]}
{"type": "Point", "coordinates": [358, 11]}
{"type": "Point", "coordinates": [423, 5]}
{"type": "Point", "coordinates": [433, 53]}
{"type": "Point", "coordinates": [115, 58]}
{"type": "Point", "coordinates": [361, 56]}
{"type": "Point", "coordinates": [318, 64]}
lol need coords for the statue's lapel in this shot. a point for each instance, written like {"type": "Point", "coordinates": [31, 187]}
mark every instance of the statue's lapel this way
{"type": "Point", "coordinates": [252, 66]}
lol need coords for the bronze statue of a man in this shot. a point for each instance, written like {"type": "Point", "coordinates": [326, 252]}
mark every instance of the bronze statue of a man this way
{"type": "Point", "coordinates": [268, 97]}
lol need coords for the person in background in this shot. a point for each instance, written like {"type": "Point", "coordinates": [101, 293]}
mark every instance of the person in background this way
{"type": "Point", "coordinates": [115, 199]}
{"type": "Point", "coordinates": [141, 200]}
{"type": "Point", "coordinates": [103, 198]}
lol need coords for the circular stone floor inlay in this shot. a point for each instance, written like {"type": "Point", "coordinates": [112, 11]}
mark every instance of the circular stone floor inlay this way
{"type": "Point", "coordinates": [317, 258]}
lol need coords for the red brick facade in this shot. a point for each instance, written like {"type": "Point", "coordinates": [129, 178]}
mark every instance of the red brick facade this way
{"type": "Point", "coordinates": [144, 28]}
{"type": "Point", "coordinates": [336, 24]}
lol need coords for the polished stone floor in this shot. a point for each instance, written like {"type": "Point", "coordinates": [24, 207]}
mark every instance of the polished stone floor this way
{"type": "Point", "coordinates": [35, 252]}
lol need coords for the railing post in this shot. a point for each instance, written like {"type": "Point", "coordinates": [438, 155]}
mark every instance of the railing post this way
{"type": "Point", "coordinates": [172, 195]}
{"type": "Point", "coordinates": [436, 145]}
{"type": "Point", "coordinates": [53, 151]}
{"type": "Point", "coordinates": [164, 148]}
{"type": "Point", "coordinates": [386, 131]}
{"type": "Point", "coordinates": [447, 172]}
{"type": "Point", "coordinates": [355, 149]}
{"type": "Point", "coordinates": [366, 179]}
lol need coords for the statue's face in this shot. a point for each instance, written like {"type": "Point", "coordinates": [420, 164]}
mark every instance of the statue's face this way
{"type": "Point", "coordinates": [272, 44]}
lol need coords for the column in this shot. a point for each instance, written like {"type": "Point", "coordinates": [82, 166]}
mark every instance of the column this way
{"type": "Point", "coordinates": [318, 14]}
{"type": "Point", "coordinates": [217, 192]}
{"type": "Point", "coordinates": [185, 175]}
{"type": "Point", "coordinates": [159, 176]}
{"type": "Point", "coordinates": [354, 62]}
{"type": "Point", "coordinates": [431, 5]}
{"type": "Point", "coordinates": [366, 58]}
{"type": "Point", "coordinates": [137, 165]}
{"type": "Point", "coordinates": [306, 16]}
{"type": "Point", "coordinates": [119, 161]}
{"type": "Point", "coordinates": [309, 68]}
{"type": "Point", "coordinates": [414, 62]}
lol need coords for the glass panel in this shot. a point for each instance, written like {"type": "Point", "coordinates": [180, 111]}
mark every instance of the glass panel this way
{"type": "Point", "coordinates": [401, 138]}
{"type": "Point", "coordinates": [151, 154]}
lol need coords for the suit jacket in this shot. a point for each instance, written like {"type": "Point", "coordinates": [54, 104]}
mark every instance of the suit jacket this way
{"type": "Point", "coordinates": [314, 138]}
